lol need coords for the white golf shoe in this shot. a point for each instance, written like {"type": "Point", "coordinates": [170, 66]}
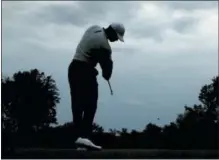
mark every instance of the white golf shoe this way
{"type": "Point", "coordinates": [87, 143]}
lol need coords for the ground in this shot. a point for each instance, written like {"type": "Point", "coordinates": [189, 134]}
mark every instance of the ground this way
{"type": "Point", "coordinates": [111, 153]}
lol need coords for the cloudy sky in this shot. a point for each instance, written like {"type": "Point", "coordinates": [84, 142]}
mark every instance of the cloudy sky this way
{"type": "Point", "coordinates": [170, 51]}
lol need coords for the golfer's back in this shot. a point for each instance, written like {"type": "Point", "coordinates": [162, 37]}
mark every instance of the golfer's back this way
{"type": "Point", "coordinates": [92, 43]}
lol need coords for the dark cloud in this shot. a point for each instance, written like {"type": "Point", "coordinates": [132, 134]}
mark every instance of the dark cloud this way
{"type": "Point", "coordinates": [184, 24]}
{"type": "Point", "coordinates": [83, 13]}
{"type": "Point", "coordinates": [148, 30]}
{"type": "Point", "coordinates": [190, 5]}
{"type": "Point", "coordinates": [155, 27]}
{"type": "Point", "coordinates": [73, 14]}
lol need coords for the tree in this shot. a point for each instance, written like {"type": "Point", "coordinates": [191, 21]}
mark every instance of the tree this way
{"type": "Point", "coordinates": [209, 93]}
{"type": "Point", "coordinates": [114, 132]}
{"type": "Point", "coordinates": [209, 98]}
{"type": "Point", "coordinates": [152, 129]}
{"type": "Point", "coordinates": [200, 121]}
{"type": "Point", "coordinates": [29, 98]}
{"type": "Point", "coordinates": [170, 135]}
{"type": "Point", "coordinates": [124, 131]}
{"type": "Point", "coordinates": [206, 112]}
{"type": "Point", "coordinates": [97, 128]}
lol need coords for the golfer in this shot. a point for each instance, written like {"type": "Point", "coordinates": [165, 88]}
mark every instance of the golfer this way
{"type": "Point", "coordinates": [92, 49]}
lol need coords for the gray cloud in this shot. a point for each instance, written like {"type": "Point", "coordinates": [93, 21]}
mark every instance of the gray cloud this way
{"type": "Point", "coordinates": [74, 14]}
{"type": "Point", "coordinates": [148, 31]}
{"type": "Point", "coordinates": [185, 24]}
{"type": "Point", "coordinates": [191, 5]}
{"type": "Point", "coordinates": [84, 13]}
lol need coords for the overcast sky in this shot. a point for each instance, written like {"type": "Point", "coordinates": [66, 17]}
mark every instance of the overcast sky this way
{"type": "Point", "coordinates": [170, 51]}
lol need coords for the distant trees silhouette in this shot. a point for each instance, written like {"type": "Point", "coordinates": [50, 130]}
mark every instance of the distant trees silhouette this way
{"type": "Point", "coordinates": [29, 102]}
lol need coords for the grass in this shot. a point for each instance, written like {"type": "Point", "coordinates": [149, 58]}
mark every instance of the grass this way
{"type": "Point", "coordinates": [111, 153]}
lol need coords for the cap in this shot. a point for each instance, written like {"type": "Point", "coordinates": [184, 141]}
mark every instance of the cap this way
{"type": "Point", "coordinates": [119, 29]}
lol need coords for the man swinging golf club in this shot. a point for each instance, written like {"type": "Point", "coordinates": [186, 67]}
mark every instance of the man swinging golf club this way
{"type": "Point", "coordinates": [92, 49]}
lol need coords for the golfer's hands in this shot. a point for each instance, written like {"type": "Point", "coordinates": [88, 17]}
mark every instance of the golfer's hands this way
{"type": "Point", "coordinates": [106, 77]}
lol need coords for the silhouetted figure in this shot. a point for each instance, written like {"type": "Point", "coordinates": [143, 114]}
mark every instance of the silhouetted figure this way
{"type": "Point", "coordinates": [93, 48]}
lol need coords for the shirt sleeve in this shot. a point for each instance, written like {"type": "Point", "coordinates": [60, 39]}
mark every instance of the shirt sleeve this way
{"type": "Point", "coordinates": [106, 63]}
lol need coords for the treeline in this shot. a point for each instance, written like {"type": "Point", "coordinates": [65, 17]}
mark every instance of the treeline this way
{"type": "Point", "coordinates": [30, 98]}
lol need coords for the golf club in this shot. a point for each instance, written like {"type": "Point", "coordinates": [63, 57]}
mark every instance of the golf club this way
{"type": "Point", "coordinates": [110, 88]}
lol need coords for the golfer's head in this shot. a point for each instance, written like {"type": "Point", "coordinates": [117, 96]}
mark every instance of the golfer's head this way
{"type": "Point", "coordinates": [116, 32]}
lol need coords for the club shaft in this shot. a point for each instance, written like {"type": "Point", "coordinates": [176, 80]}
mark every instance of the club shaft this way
{"type": "Point", "coordinates": [110, 88]}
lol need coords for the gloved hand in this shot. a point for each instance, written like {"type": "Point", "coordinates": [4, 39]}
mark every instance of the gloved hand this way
{"type": "Point", "coordinates": [106, 77]}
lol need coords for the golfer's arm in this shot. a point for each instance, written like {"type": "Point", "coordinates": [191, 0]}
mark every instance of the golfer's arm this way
{"type": "Point", "coordinates": [106, 63]}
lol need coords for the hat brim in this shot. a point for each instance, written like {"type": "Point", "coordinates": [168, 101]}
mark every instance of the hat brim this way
{"type": "Point", "coordinates": [120, 37]}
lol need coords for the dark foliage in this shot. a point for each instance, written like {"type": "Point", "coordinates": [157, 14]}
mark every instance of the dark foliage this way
{"type": "Point", "coordinates": [29, 100]}
{"type": "Point", "coordinates": [28, 104]}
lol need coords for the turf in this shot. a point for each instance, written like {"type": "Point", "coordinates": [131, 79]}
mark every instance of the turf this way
{"type": "Point", "coordinates": [111, 153]}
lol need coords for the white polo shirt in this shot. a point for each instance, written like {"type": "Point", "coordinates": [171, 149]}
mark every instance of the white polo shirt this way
{"type": "Point", "coordinates": [94, 38]}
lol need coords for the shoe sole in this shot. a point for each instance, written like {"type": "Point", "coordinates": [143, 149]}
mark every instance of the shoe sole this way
{"type": "Point", "coordinates": [81, 149]}
{"type": "Point", "coordinates": [90, 148]}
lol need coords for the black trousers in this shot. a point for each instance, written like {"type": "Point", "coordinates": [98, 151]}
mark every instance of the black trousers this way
{"type": "Point", "coordinates": [84, 95]}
